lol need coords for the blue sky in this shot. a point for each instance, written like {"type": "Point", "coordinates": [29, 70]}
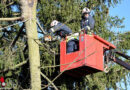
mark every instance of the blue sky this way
{"type": "Point", "coordinates": [122, 10]}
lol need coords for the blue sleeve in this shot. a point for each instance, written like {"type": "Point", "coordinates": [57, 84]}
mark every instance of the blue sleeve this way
{"type": "Point", "coordinates": [82, 24]}
{"type": "Point", "coordinates": [62, 27]}
{"type": "Point", "coordinates": [91, 22]}
{"type": "Point", "coordinates": [56, 29]}
{"type": "Point", "coordinates": [65, 28]}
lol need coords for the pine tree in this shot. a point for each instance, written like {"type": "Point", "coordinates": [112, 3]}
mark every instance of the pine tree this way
{"type": "Point", "coordinates": [61, 10]}
{"type": "Point", "coordinates": [12, 52]}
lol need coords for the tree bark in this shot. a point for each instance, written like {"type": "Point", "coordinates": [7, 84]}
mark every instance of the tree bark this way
{"type": "Point", "coordinates": [29, 12]}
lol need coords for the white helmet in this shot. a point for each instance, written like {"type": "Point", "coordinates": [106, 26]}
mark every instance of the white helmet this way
{"type": "Point", "coordinates": [54, 22]}
{"type": "Point", "coordinates": [85, 10]}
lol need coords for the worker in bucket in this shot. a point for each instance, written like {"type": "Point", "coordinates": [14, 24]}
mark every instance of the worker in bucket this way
{"type": "Point", "coordinates": [87, 22]}
{"type": "Point", "coordinates": [60, 31]}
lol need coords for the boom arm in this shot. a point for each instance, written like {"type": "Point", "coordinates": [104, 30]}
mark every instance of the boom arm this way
{"type": "Point", "coordinates": [122, 54]}
{"type": "Point", "coordinates": [122, 63]}
{"type": "Point", "coordinates": [117, 60]}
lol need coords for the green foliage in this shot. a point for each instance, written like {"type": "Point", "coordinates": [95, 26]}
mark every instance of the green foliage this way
{"type": "Point", "coordinates": [62, 10]}
{"type": "Point", "coordinates": [69, 13]}
{"type": "Point", "coordinates": [9, 57]}
{"type": "Point", "coordinates": [124, 39]}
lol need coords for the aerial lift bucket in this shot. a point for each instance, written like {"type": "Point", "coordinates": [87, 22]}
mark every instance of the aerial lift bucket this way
{"type": "Point", "coordinates": [88, 59]}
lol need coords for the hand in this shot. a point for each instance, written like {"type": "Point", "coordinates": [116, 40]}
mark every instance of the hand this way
{"type": "Point", "coordinates": [85, 28]}
{"type": "Point", "coordinates": [56, 38]}
{"type": "Point", "coordinates": [47, 38]}
{"type": "Point", "coordinates": [88, 28]}
{"type": "Point", "coordinates": [80, 30]}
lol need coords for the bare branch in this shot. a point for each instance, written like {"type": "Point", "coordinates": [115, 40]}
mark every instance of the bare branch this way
{"type": "Point", "coordinates": [11, 19]}
{"type": "Point", "coordinates": [15, 39]}
{"type": "Point", "coordinates": [49, 81]}
{"type": "Point", "coordinates": [24, 50]}
{"type": "Point", "coordinates": [9, 4]}
{"type": "Point", "coordinates": [41, 28]}
{"type": "Point", "coordinates": [12, 68]}
{"type": "Point", "coordinates": [16, 14]}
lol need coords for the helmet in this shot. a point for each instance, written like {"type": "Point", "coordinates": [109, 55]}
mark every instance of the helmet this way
{"type": "Point", "coordinates": [85, 11]}
{"type": "Point", "coordinates": [54, 22]}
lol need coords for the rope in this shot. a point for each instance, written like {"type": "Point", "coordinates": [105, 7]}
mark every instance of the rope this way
{"type": "Point", "coordinates": [70, 65]}
{"type": "Point", "coordinates": [67, 68]}
{"type": "Point", "coordinates": [66, 63]}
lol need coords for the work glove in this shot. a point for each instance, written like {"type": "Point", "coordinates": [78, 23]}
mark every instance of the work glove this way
{"type": "Point", "coordinates": [85, 28]}
{"type": "Point", "coordinates": [50, 38]}
{"type": "Point", "coordinates": [47, 38]}
{"type": "Point", "coordinates": [88, 28]}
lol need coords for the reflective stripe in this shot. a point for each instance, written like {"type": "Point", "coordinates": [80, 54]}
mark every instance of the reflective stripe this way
{"type": "Point", "coordinates": [52, 30]}
{"type": "Point", "coordinates": [73, 36]}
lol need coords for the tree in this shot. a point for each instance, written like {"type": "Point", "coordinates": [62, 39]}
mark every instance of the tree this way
{"type": "Point", "coordinates": [34, 57]}
{"type": "Point", "coordinates": [8, 57]}
{"type": "Point", "coordinates": [29, 12]}
{"type": "Point", "coordinates": [62, 10]}
{"type": "Point", "coordinates": [13, 42]}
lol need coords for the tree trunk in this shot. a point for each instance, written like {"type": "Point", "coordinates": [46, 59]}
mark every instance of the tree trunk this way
{"type": "Point", "coordinates": [29, 13]}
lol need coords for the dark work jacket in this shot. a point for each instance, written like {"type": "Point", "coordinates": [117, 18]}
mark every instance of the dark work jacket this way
{"type": "Point", "coordinates": [87, 22]}
{"type": "Point", "coordinates": [62, 30]}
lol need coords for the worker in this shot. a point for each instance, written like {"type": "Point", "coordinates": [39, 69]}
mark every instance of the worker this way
{"type": "Point", "coordinates": [87, 22]}
{"type": "Point", "coordinates": [61, 30]}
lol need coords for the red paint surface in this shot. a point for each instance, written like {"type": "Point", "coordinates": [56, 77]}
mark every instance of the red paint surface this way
{"type": "Point", "coordinates": [2, 79]}
{"type": "Point", "coordinates": [89, 58]}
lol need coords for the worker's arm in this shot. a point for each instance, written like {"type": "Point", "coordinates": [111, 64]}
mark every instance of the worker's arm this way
{"type": "Point", "coordinates": [91, 22]}
{"type": "Point", "coordinates": [60, 27]}
{"type": "Point", "coordinates": [84, 25]}
{"type": "Point", "coordinates": [87, 26]}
